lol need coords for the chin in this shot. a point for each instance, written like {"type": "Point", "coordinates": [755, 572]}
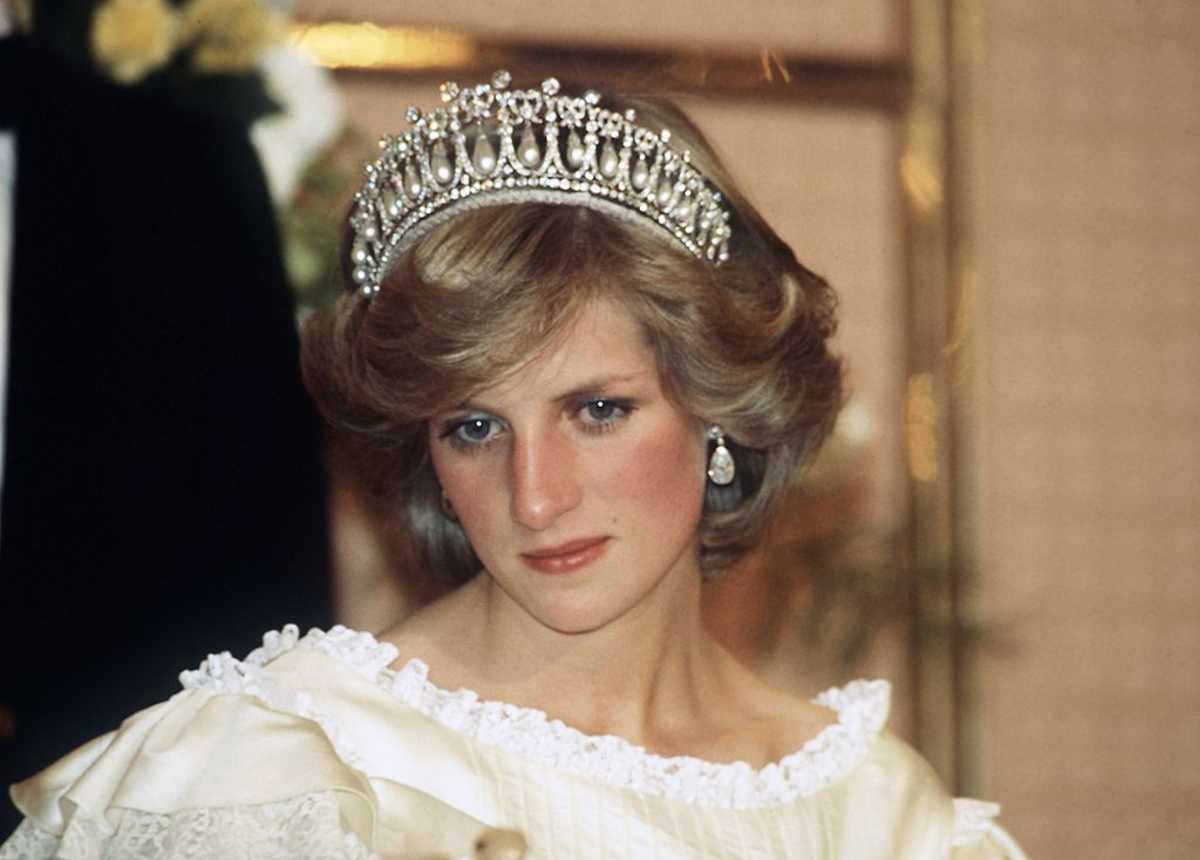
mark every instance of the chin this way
{"type": "Point", "coordinates": [572, 620]}
{"type": "Point", "coordinates": [573, 614]}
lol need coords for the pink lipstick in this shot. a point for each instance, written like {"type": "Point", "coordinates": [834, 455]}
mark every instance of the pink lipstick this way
{"type": "Point", "coordinates": [566, 557]}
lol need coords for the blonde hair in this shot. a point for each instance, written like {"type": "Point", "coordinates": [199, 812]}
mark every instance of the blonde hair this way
{"type": "Point", "coordinates": [743, 345]}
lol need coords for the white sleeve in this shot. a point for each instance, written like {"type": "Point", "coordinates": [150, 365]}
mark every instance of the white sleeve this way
{"type": "Point", "coordinates": [204, 775]}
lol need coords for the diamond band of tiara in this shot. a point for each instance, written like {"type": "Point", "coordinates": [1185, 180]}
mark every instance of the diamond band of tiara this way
{"type": "Point", "coordinates": [489, 145]}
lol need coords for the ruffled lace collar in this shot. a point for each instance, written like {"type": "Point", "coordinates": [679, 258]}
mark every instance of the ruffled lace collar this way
{"type": "Point", "coordinates": [527, 733]}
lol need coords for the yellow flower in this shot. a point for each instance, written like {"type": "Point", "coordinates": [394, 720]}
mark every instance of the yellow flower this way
{"type": "Point", "coordinates": [228, 35]}
{"type": "Point", "coordinates": [132, 38]}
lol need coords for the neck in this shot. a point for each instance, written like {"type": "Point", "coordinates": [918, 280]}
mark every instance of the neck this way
{"type": "Point", "coordinates": [640, 676]}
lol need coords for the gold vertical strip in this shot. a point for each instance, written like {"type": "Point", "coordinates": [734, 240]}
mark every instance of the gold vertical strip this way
{"type": "Point", "coordinates": [924, 176]}
{"type": "Point", "coordinates": [964, 57]}
{"type": "Point", "coordinates": [936, 175]}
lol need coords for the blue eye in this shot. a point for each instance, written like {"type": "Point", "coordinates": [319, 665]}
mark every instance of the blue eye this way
{"type": "Point", "coordinates": [473, 432]}
{"type": "Point", "coordinates": [603, 413]}
{"type": "Point", "coordinates": [475, 429]}
{"type": "Point", "coordinates": [601, 410]}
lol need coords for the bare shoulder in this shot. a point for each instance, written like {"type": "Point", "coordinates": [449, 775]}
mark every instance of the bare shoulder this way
{"type": "Point", "coordinates": [424, 634]}
{"type": "Point", "coordinates": [788, 722]}
{"type": "Point", "coordinates": [769, 722]}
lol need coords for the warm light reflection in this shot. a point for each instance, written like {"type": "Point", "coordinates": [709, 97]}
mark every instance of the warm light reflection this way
{"type": "Point", "coordinates": [921, 182]}
{"type": "Point", "coordinates": [771, 63]}
{"type": "Point", "coordinates": [921, 417]}
{"type": "Point", "coordinates": [368, 46]}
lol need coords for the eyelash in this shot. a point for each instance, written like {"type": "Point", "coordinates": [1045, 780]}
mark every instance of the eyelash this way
{"type": "Point", "coordinates": [621, 408]}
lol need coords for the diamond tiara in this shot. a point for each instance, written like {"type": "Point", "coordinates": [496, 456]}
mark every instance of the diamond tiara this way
{"type": "Point", "coordinates": [553, 148]}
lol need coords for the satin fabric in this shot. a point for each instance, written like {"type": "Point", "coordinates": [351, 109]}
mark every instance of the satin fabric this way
{"type": "Point", "coordinates": [410, 786]}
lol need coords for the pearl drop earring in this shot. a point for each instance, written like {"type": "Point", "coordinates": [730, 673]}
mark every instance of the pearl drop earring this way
{"type": "Point", "coordinates": [721, 467]}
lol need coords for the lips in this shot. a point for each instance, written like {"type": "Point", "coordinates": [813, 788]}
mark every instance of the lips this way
{"type": "Point", "coordinates": [566, 557]}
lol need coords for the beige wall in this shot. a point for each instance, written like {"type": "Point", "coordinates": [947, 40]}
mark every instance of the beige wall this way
{"type": "Point", "coordinates": [1090, 239]}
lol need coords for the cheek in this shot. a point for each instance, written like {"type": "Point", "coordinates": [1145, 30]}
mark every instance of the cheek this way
{"type": "Point", "coordinates": [662, 477]}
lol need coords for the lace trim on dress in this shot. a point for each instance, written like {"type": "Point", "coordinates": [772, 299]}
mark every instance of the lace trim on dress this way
{"type": "Point", "coordinates": [975, 821]}
{"type": "Point", "coordinates": [222, 673]}
{"type": "Point", "coordinates": [972, 819]}
{"type": "Point", "coordinates": [861, 706]}
{"type": "Point", "coordinates": [308, 825]}
{"type": "Point", "coordinates": [29, 842]}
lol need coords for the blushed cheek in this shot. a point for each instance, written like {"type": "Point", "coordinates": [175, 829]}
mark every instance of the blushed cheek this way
{"type": "Point", "coordinates": [662, 476]}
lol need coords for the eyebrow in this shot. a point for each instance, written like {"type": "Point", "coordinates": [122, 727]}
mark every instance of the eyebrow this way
{"type": "Point", "coordinates": [595, 385]}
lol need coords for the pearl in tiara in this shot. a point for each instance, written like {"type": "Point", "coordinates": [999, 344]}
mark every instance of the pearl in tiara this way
{"type": "Point", "coordinates": [489, 145]}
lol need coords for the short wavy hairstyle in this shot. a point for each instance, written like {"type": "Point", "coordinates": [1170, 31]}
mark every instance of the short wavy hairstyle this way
{"type": "Point", "coordinates": [744, 345]}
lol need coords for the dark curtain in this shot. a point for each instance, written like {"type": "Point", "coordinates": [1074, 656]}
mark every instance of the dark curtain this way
{"type": "Point", "coordinates": [164, 494]}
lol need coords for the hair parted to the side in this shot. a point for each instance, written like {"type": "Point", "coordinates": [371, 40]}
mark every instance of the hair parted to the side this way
{"type": "Point", "coordinates": [745, 345]}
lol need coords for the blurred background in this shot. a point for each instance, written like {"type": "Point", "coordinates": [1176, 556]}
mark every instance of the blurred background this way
{"type": "Point", "coordinates": [1007, 196]}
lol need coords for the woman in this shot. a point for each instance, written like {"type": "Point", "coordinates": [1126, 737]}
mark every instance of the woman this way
{"type": "Point", "coordinates": [584, 368]}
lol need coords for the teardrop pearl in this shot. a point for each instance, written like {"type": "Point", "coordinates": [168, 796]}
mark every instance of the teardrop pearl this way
{"type": "Point", "coordinates": [443, 171]}
{"type": "Point", "coordinates": [391, 205]}
{"type": "Point", "coordinates": [608, 161]}
{"type": "Point", "coordinates": [665, 189]}
{"type": "Point", "coordinates": [358, 253]}
{"type": "Point", "coordinates": [721, 468]}
{"type": "Point", "coordinates": [412, 182]}
{"type": "Point", "coordinates": [683, 210]}
{"type": "Point", "coordinates": [575, 151]}
{"type": "Point", "coordinates": [528, 151]}
{"type": "Point", "coordinates": [640, 175]}
{"type": "Point", "coordinates": [484, 158]}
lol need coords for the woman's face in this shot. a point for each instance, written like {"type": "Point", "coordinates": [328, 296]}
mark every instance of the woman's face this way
{"type": "Point", "coordinates": [578, 483]}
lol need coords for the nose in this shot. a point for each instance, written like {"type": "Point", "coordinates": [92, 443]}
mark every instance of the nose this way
{"type": "Point", "coordinates": [544, 481]}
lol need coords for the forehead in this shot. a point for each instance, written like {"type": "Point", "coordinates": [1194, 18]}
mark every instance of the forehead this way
{"type": "Point", "coordinates": [603, 341]}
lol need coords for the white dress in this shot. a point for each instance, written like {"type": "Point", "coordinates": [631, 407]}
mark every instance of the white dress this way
{"type": "Point", "coordinates": [312, 747]}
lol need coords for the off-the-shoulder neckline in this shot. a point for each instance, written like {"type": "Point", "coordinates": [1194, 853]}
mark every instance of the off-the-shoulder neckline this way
{"type": "Point", "coordinates": [527, 733]}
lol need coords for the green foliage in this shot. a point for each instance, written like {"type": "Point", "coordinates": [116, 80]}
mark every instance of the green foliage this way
{"type": "Point", "coordinates": [312, 224]}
